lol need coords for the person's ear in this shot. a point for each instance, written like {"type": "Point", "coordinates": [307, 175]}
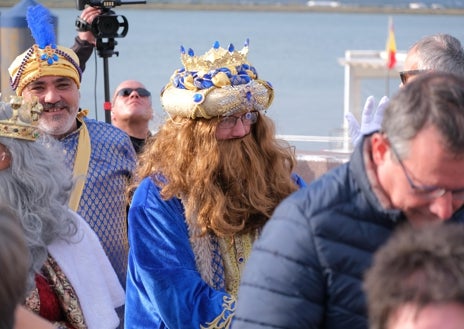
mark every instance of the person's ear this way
{"type": "Point", "coordinates": [380, 146]}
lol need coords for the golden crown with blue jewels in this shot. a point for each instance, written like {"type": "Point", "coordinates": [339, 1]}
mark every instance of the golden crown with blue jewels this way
{"type": "Point", "coordinates": [218, 83]}
{"type": "Point", "coordinates": [20, 118]}
{"type": "Point", "coordinates": [214, 58]}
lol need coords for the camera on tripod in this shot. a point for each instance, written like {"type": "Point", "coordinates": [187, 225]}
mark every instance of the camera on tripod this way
{"type": "Point", "coordinates": [107, 24]}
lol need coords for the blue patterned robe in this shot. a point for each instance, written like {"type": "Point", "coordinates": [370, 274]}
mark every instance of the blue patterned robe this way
{"type": "Point", "coordinates": [103, 201]}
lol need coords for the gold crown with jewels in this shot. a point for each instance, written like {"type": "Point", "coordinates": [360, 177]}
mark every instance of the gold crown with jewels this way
{"type": "Point", "coordinates": [219, 83]}
{"type": "Point", "coordinates": [20, 118]}
{"type": "Point", "coordinates": [214, 58]}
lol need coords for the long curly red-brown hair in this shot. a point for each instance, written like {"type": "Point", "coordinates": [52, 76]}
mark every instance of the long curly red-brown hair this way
{"type": "Point", "coordinates": [226, 186]}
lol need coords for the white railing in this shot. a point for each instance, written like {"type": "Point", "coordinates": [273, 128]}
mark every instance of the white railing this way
{"type": "Point", "coordinates": [314, 139]}
{"type": "Point", "coordinates": [326, 144]}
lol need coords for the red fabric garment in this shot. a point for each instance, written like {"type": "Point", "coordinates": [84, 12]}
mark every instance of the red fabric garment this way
{"type": "Point", "coordinates": [49, 304]}
{"type": "Point", "coordinates": [54, 299]}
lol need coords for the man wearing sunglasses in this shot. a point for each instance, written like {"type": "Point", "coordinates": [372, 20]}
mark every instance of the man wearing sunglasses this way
{"type": "Point", "coordinates": [132, 111]}
{"type": "Point", "coordinates": [438, 52]}
{"type": "Point", "coordinates": [306, 269]}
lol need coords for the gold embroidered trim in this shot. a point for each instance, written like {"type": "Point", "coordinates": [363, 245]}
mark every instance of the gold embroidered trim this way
{"type": "Point", "coordinates": [63, 289]}
{"type": "Point", "coordinates": [81, 164]}
{"type": "Point", "coordinates": [223, 320]}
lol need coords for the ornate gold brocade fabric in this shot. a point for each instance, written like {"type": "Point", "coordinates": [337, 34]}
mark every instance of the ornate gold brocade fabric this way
{"type": "Point", "coordinates": [65, 294]}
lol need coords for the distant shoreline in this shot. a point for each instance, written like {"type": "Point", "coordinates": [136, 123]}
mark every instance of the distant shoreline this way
{"type": "Point", "coordinates": [273, 8]}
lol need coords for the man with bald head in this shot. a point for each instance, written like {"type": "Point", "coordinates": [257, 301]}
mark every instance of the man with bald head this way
{"type": "Point", "coordinates": [132, 111]}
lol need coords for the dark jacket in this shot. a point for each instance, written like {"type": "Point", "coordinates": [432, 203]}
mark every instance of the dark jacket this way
{"type": "Point", "coordinates": [83, 50]}
{"type": "Point", "coordinates": [306, 269]}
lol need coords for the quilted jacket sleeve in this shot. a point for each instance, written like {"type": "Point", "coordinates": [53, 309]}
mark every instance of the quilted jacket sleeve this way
{"type": "Point", "coordinates": [283, 285]}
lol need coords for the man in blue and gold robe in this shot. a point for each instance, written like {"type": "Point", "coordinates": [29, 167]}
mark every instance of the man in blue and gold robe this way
{"type": "Point", "coordinates": [102, 156]}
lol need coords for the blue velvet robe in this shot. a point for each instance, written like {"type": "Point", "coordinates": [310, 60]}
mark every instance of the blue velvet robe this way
{"type": "Point", "coordinates": [164, 289]}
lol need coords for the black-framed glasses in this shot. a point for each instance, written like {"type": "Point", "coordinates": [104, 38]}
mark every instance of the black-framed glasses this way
{"type": "Point", "coordinates": [247, 119]}
{"type": "Point", "coordinates": [124, 92]}
{"type": "Point", "coordinates": [426, 191]}
{"type": "Point", "coordinates": [405, 75]}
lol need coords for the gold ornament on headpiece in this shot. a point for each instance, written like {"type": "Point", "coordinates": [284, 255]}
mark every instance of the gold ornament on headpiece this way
{"type": "Point", "coordinates": [219, 83]}
{"type": "Point", "coordinates": [44, 58]}
{"type": "Point", "coordinates": [36, 62]}
{"type": "Point", "coordinates": [20, 118]}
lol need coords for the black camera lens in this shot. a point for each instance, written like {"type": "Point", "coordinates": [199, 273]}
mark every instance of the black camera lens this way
{"type": "Point", "coordinates": [105, 26]}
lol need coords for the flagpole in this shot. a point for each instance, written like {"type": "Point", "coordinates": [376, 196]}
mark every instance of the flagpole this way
{"type": "Point", "coordinates": [391, 54]}
{"type": "Point", "coordinates": [387, 68]}
{"type": "Point", "coordinates": [387, 84]}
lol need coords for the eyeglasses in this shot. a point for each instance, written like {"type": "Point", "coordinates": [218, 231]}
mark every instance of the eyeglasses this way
{"type": "Point", "coordinates": [424, 191]}
{"type": "Point", "coordinates": [247, 119]}
{"type": "Point", "coordinates": [124, 92]}
{"type": "Point", "coordinates": [405, 75]}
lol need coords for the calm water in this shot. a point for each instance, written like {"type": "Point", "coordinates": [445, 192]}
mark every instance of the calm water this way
{"type": "Point", "coordinates": [297, 52]}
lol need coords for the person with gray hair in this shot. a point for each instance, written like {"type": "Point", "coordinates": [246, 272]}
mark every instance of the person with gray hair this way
{"type": "Point", "coordinates": [417, 280]}
{"type": "Point", "coordinates": [306, 269]}
{"type": "Point", "coordinates": [70, 280]}
{"type": "Point", "coordinates": [437, 52]}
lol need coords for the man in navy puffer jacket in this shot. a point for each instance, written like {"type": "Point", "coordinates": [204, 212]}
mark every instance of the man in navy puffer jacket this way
{"type": "Point", "coordinates": [306, 269]}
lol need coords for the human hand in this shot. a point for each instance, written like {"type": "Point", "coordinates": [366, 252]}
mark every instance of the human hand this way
{"type": "Point", "coordinates": [87, 16]}
{"type": "Point", "coordinates": [371, 119]}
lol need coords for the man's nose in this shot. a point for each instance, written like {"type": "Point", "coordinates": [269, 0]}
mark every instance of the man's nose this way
{"type": "Point", "coordinates": [443, 207]}
{"type": "Point", "coordinates": [134, 93]}
{"type": "Point", "coordinates": [51, 96]}
{"type": "Point", "coordinates": [239, 130]}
